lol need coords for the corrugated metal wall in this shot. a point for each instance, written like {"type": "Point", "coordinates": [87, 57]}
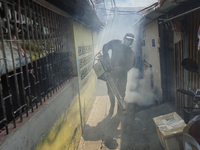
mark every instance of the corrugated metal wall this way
{"type": "Point", "coordinates": [187, 47]}
{"type": "Point", "coordinates": [179, 74]}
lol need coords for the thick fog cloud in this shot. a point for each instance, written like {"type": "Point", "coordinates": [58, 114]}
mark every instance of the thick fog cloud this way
{"type": "Point", "coordinates": [116, 28]}
{"type": "Point", "coordinates": [137, 90]}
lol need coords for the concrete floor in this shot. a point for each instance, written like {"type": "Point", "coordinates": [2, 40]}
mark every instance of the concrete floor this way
{"type": "Point", "coordinates": [133, 130]}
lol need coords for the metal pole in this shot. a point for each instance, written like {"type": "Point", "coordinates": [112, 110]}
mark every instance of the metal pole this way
{"type": "Point", "coordinates": [47, 27]}
{"type": "Point", "coordinates": [8, 83]}
{"type": "Point", "coordinates": [13, 63]}
{"type": "Point", "coordinates": [44, 76]}
{"type": "Point", "coordinates": [35, 66]}
{"type": "Point", "coordinates": [45, 46]}
{"type": "Point", "coordinates": [20, 55]}
{"type": "Point", "coordinates": [41, 83]}
{"type": "Point", "coordinates": [29, 47]}
{"type": "Point", "coordinates": [187, 12]}
{"type": "Point", "coordinates": [52, 49]}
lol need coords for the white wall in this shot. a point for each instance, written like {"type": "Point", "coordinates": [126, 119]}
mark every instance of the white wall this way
{"type": "Point", "coordinates": [150, 54]}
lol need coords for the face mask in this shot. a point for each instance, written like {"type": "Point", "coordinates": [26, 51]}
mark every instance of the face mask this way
{"type": "Point", "coordinates": [127, 43]}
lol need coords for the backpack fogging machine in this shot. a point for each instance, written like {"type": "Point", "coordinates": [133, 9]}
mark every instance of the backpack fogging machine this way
{"type": "Point", "coordinates": [102, 71]}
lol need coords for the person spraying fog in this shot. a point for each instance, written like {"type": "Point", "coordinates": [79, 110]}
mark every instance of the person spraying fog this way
{"type": "Point", "coordinates": [121, 60]}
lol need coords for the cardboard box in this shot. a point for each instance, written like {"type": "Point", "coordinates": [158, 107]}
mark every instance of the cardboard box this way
{"type": "Point", "coordinates": [169, 128]}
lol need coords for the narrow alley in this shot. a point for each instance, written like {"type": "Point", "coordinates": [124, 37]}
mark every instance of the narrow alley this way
{"type": "Point", "coordinates": [99, 74]}
{"type": "Point", "coordinates": [134, 129]}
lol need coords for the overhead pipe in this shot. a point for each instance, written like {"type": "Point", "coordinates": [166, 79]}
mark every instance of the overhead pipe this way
{"type": "Point", "coordinates": [187, 12]}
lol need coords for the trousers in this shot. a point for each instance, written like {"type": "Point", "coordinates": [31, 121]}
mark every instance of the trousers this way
{"type": "Point", "coordinates": [120, 82]}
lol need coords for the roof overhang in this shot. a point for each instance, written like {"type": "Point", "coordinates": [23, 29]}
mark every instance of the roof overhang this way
{"type": "Point", "coordinates": [80, 10]}
{"type": "Point", "coordinates": [154, 11]}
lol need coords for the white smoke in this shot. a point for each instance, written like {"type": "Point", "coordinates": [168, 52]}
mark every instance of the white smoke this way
{"type": "Point", "coordinates": [138, 90]}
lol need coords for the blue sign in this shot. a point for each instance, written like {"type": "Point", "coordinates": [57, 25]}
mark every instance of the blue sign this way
{"type": "Point", "coordinates": [143, 42]}
{"type": "Point", "coordinates": [153, 42]}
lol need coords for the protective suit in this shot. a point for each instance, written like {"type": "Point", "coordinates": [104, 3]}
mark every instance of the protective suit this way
{"type": "Point", "coordinates": [122, 60]}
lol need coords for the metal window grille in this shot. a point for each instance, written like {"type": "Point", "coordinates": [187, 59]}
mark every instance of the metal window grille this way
{"type": "Point", "coordinates": [35, 57]}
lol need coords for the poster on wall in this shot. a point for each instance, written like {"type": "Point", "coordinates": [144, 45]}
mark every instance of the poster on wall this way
{"type": "Point", "coordinates": [199, 39]}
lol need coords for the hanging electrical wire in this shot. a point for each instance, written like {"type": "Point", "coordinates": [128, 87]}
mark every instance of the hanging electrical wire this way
{"type": "Point", "coordinates": [92, 4]}
{"type": "Point", "coordinates": [104, 3]}
{"type": "Point", "coordinates": [124, 14]}
{"type": "Point", "coordinates": [114, 3]}
{"type": "Point", "coordinates": [118, 10]}
{"type": "Point", "coordinates": [111, 3]}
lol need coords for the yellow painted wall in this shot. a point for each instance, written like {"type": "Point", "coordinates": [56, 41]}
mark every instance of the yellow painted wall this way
{"type": "Point", "coordinates": [151, 54]}
{"type": "Point", "coordinates": [62, 135]}
{"type": "Point", "coordinates": [88, 94]}
{"type": "Point", "coordinates": [84, 36]}
{"type": "Point", "coordinates": [97, 48]}
{"type": "Point", "coordinates": [66, 133]}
